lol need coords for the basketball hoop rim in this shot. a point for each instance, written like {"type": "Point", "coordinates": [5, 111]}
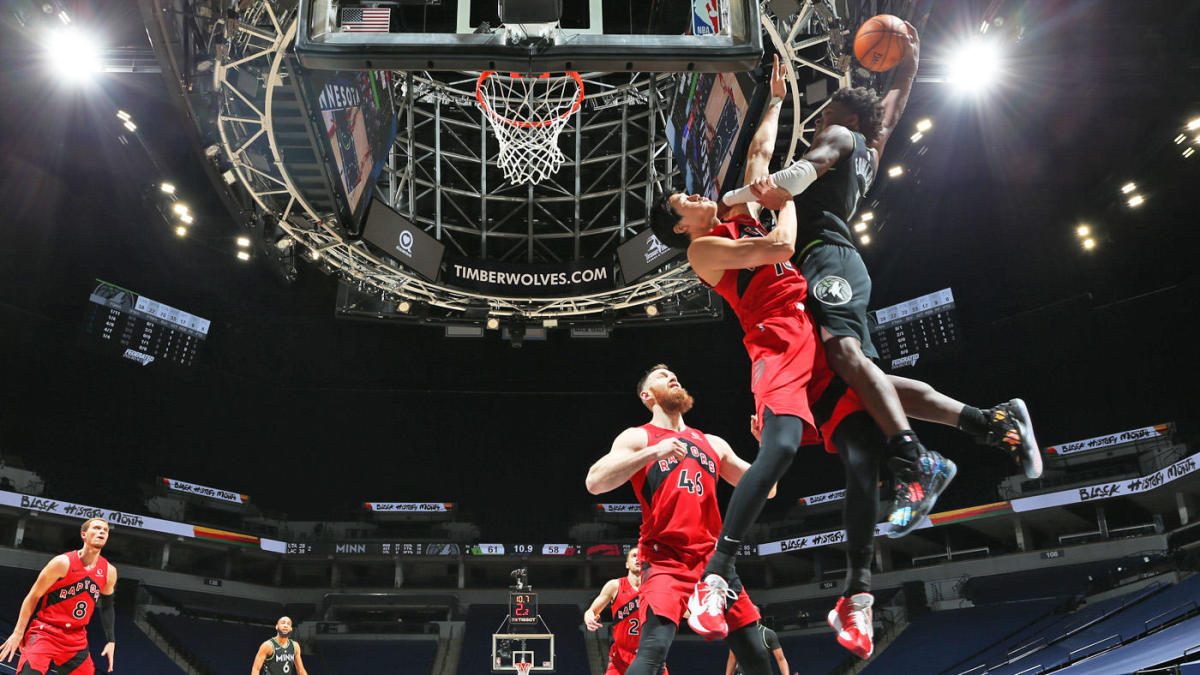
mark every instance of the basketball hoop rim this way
{"type": "Point", "coordinates": [523, 667]}
{"type": "Point", "coordinates": [518, 123]}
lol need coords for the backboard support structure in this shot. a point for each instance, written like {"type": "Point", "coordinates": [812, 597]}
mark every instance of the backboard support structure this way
{"type": "Point", "coordinates": [727, 39]}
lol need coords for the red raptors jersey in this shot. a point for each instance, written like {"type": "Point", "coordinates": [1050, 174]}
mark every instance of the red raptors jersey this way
{"type": "Point", "coordinates": [627, 619]}
{"type": "Point", "coordinates": [758, 293]}
{"type": "Point", "coordinates": [680, 517]}
{"type": "Point", "coordinates": [70, 602]}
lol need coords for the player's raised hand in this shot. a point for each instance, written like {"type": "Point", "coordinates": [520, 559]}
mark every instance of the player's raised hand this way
{"type": "Point", "coordinates": [108, 651]}
{"type": "Point", "coordinates": [768, 194]}
{"type": "Point", "coordinates": [669, 447]}
{"type": "Point", "coordinates": [778, 81]}
{"type": "Point", "coordinates": [591, 620]}
{"type": "Point", "coordinates": [9, 650]}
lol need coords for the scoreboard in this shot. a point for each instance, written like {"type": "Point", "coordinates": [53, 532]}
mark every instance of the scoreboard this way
{"type": "Point", "coordinates": [905, 332]}
{"type": "Point", "coordinates": [142, 330]}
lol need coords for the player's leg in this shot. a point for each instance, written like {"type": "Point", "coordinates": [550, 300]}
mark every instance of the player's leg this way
{"type": "Point", "coordinates": [781, 438]}
{"type": "Point", "coordinates": [78, 664]}
{"type": "Point", "coordinates": [657, 635]}
{"type": "Point", "coordinates": [861, 446]}
{"type": "Point", "coordinates": [751, 652]}
{"type": "Point", "coordinates": [1005, 425]}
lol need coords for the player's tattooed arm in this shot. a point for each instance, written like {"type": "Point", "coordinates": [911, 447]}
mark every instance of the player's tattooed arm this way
{"type": "Point", "coordinates": [591, 617]}
{"type": "Point", "coordinates": [733, 467]}
{"type": "Point", "coordinates": [54, 570]}
{"type": "Point", "coordinates": [628, 455]}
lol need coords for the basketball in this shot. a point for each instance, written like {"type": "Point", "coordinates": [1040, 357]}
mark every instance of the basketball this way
{"type": "Point", "coordinates": [881, 42]}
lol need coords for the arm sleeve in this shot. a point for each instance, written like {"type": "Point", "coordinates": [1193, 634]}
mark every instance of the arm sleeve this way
{"type": "Point", "coordinates": [108, 617]}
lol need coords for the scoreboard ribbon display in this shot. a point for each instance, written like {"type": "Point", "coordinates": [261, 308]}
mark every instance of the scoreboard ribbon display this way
{"type": "Point", "coordinates": [142, 330]}
{"type": "Point", "coordinates": [909, 330]}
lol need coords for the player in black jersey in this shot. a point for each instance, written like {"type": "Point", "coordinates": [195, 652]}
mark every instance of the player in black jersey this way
{"type": "Point", "coordinates": [827, 184]}
{"type": "Point", "coordinates": [281, 654]}
{"type": "Point", "coordinates": [770, 641]}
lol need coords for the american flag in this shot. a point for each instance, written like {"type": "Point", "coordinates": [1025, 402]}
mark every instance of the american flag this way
{"type": "Point", "coordinates": [365, 20]}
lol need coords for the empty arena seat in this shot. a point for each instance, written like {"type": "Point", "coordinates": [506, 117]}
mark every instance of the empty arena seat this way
{"type": "Point", "coordinates": [222, 647]}
{"type": "Point", "coordinates": [227, 607]}
{"type": "Point", "coordinates": [352, 657]}
{"type": "Point", "coordinates": [1160, 647]}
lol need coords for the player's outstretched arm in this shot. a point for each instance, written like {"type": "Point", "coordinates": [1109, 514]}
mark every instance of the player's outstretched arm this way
{"type": "Point", "coordinates": [896, 99]}
{"type": "Point", "coordinates": [627, 456]}
{"type": "Point", "coordinates": [762, 145]}
{"type": "Point", "coordinates": [108, 615]}
{"type": "Point", "coordinates": [54, 570]}
{"type": "Point", "coordinates": [264, 650]}
{"type": "Point", "coordinates": [299, 661]}
{"type": "Point", "coordinates": [711, 256]}
{"type": "Point", "coordinates": [591, 617]}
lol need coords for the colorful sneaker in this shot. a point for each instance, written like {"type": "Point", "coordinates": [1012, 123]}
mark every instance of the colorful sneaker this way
{"type": "Point", "coordinates": [854, 622]}
{"type": "Point", "coordinates": [707, 606]}
{"type": "Point", "coordinates": [918, 486]}
{"type": "Point", "coordinates": [1009, 428]}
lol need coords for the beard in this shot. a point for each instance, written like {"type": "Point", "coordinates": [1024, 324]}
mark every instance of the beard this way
{"type": "Point", "coordinates": [674, 401]}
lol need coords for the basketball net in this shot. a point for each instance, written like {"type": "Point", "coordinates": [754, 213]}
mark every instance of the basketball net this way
{"type": "Point", "coordinates": [527, 114]}
{"type": "Point", "coordinates": [523, 668]}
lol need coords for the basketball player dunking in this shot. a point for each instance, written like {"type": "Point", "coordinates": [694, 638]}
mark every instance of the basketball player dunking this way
{"type": "Point", "coordinates": [281, 654]}
{"type": "Point", "coordinates": [61, 603]}
{"type": "Point", "coordinates": [673, 468]}
{"type": "Point", "coordinates": [622, 595]}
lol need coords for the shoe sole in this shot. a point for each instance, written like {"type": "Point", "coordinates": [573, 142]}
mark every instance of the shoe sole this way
{"type": "Point", "coordinates": [1031, 454]}
{"type": "Point", "coordinates": [921, 512]}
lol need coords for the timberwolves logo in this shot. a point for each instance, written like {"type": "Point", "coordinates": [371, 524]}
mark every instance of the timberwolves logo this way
{"type": "Point", "coordinates": [833, 291]}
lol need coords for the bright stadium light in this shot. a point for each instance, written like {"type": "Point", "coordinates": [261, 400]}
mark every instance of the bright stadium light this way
{"type": "Point", "coordinates": [925, 125]}
{"type": "Point", "coordinates": [179, 208]}
{"type": "Point", "coordinates": [1083, 231]}
{"type": "Point", "coordinates": [131, 126]}
{"type": "Point", "coordinates": [72, 54]}
{"type": "Point", "coordinates": [123, 116]}
{"type": "Point", "coordinates": [243, 242]}
{"type": "Point", "coordinates": [493, 323]}
{"type": "Point", "coordinates": [860, 227]}
{"type": "Point", "coordinates": [1127, 188]}
{"type": "Point", "coordinates": [975, 66]}
{"type": "Point", "coordinates": [1089, 243]}
{"type": "Point", "coordinates": [181, 231]}
{"type": "Point", "coordinates": [651, 310]}
{"type": "Point", "coordinates": [916, 137]}
{"type": "Point", "coordinates": [865, 239]}
{"type": "Point", "coordinates": [187, 218]}
{"type": "Point", "coordinates": [1136, 201]}
{"type": "Point", "coordinates": [314, 254]}
{"type": "Point", "coordinates": [896, 171]}
{"type": "Point", "coordinates": [167, 188]}
{"type": "Point", "coordinates": [403, 306]}
{"type": "Point", "coordinates": [243, 256]}
{"type": "Point", "coordinates": [1180, 138]}
{"type": "Point", "coordinates": [1188, 152]}
{"type": "Point", "coordinates": [868, 216]}
{"type": "Point", "coordinates": [1194, 124]}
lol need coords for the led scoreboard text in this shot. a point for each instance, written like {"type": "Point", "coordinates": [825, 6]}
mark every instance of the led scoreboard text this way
{"type": "Point", "coordinates": [909, 330]}
{"type": "Point", "coordinates": [522, 607]}
{"type": "Point", "coordinates": [142, 330]}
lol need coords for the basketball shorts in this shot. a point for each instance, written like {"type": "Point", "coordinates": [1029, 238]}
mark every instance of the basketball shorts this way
{"type": "Point", "coordinates": [839, 289]}
{"type": "Point", "coordinates": [832, 402]}
{"type": "Point", "coordinates": [781, 351]}
{"type": "Point", "coordinates": [65, 649]}
{"type": "Point", "coordinates": [667, 585]}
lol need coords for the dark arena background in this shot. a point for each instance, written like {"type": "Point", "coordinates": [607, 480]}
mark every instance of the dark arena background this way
{"type": "Point", "coordinates": [271, 305]}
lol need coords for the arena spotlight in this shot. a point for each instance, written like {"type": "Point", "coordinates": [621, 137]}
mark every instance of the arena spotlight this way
{"type": "Point", "coordinates": [916, 137]}
{"type": "Point", "coordinates": [243, 242]}
{"type": "Point", "coordinates": [896, 172]}
{"type": "Point", "coordinates": [167, 188]}
{"type": "Point", "coordinates": [131, 126]}
{"type": "Point", "coordinates": [865, 239]}
{"type": "Point", "coordinates": [1194, 124]}
{"type": "Point", "coordinates": [243, 256]}
{"type": "Point", "coordinates": [925, 125]}
{"type": "Point", "coordinates": [1136, 201]}
{"type": "Point", "coordinates": [867, 216]}
{"type": "Point", "coordinates": [1180, 138]}
{"type": "Point", "coordinates": [975, 66]}
{"type": "Point", "coordinates": [1188, 152]}
{"type": "Point", "coordinates": [403, 306]}
{"type": "Point", "coordinates": [180, 231]}
{"type": "Point", "coordinates": [1083, 231]}
{"type": "Point", "coordinates": [284, 243]}
{"type": "Point", "coordinates": [74, 55]}
{"type": "Point", "coordinates": [179, 208]}
{"type": "Point", "coordinates": [123, 116]}
{"type": "Point", "coordinates": [493, 323]}
{"type": "Point", "coordinates": [187, 218]}
{"type": "Point", "coordinates": [652, 310]}
{"type": "Point", "coordinates": [314, 254]}
{"type": "Point", "coordinates": [860, 227]}
{"type": "Point", "coordinates": [549, 323]}
{"type": "Point", "coordinates": [1089, 243]}
{"type": "Point", "coordinates": [1127, 188]}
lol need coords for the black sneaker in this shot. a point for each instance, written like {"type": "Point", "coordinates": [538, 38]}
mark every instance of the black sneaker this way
{"type": "Point", "coordinates": [1009, 428]}
{"type": "Point", "coordinates": [917, 487]}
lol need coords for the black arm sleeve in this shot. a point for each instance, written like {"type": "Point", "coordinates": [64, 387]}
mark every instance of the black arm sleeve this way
{"type": "Point", "coordinates": [107, 617]}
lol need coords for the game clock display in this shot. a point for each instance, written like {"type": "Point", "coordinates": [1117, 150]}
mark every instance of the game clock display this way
{"type": "Point", "coordinates": [144, 331]}
{"type": "Point", "coordinates": [909, 331]}
{"type": "Point", "coordinates": [522, 607]}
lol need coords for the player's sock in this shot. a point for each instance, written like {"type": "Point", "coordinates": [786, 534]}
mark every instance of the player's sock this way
{"type": "Point", "coordinates": [974, 422]}
{"type": "Point", "coordinates": [904, 445]}
{"type": "Point", "coordinates": [722, 564]}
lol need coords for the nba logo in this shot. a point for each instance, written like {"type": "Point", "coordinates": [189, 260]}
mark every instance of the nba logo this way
{"type": "Point", "coordinates": [706, 18]}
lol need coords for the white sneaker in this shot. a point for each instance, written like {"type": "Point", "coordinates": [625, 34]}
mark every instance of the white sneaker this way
{"type": "Point", "coordinates": [707, 607]}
